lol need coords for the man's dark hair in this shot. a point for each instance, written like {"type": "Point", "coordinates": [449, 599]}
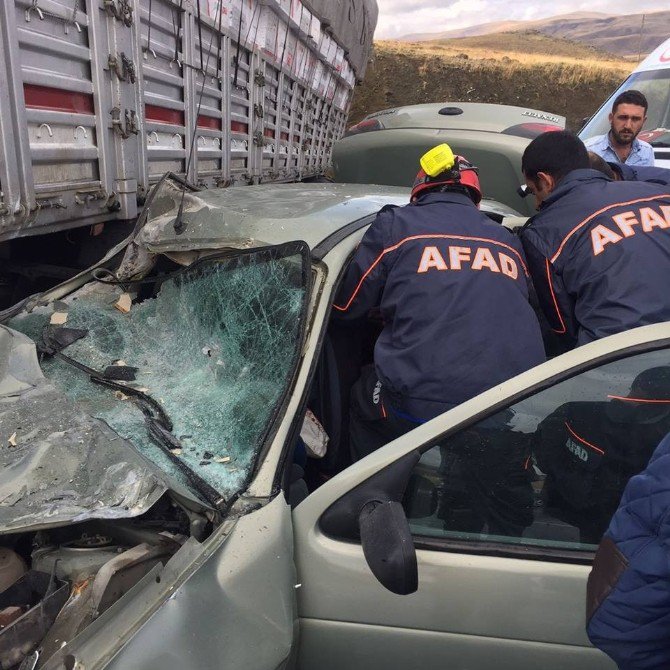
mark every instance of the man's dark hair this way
{"type": "Point", "coordinates": [599, 163]}
{"type": "Point", "coordinates": [556, 152]}
{"type": "Point", "coordinates": [630, 97]}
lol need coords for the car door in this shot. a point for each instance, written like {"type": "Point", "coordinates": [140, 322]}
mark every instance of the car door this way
{"type": "Point", "coordinates": [505, 498]}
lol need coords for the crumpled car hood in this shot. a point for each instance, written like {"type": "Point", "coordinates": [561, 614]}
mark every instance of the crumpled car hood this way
{"type": "Point", "coordinates": [57, 463]}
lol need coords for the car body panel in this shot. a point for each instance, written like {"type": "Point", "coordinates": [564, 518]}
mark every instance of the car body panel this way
{"type": "Point", "coordinates": [504, 598]}
{"type": "Point", "coordinates": [657, 59]}
{"type": "Point", "coordinates": [390, 155]}
{"type": "Point", "coordinates": [236, 611]}
{"type": "Point", "coordinates": [228, 603]}
{"type": "Point", "coordinates": [482, 116]}
{"type": "Point", "coordinates": [323, 641]}
{"type": "Point", "coordinates": [59, 464]}
{"type": "Point", "coordinates": [268, 214]}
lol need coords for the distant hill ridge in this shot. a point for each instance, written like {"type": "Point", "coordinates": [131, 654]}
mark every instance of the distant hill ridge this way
{"type": "Point", "coordinates": [614, 33]}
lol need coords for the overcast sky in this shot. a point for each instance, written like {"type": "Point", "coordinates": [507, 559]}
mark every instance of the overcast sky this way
{"type": "Point", "coordinates": [401, 17]}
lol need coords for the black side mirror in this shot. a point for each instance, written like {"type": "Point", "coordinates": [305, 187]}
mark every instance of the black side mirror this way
{"type": "Point", "coordinates": [388, 546]}
{"type": "Point", "coordinates": [373, 514]}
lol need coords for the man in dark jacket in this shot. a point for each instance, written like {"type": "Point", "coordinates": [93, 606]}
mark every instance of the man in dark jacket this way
{"type": "Point", "coordinates": [452, 288]}
{"type": "Point", "coordinates": [628, 593]}
{"type": "Point", "coordinates": [598, 251]}
{"type": "Point", "coordinates": [589, 450]}
{"type": "Point", "coordinates": [624, 172]}
{"type": "Point", "coordinates": [652, 175]}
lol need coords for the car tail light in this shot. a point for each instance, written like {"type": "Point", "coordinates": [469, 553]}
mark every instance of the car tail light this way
{"type": "Point", "coordinates": [531, 130]}
{"type": "Point", "coordinates": [364, 127]}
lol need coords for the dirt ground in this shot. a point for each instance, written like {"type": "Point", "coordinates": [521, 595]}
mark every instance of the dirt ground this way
{"type": "Point", "coordinates": [530, 70]}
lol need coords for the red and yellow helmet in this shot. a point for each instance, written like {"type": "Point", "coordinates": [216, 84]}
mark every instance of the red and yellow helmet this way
{"type": "Point", "coordinates": [440, 167]}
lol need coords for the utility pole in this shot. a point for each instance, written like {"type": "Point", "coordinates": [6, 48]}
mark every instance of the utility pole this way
{"type": "Point", "coordinates": [639, 48]}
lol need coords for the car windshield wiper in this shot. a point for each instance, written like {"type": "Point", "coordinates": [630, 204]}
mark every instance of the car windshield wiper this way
{"type": "Point", "coordinates": [159, 427]}
{"type": "Point", "coordinates": [158, 423]}
{"type": "Point", "coordinates": [166, 442]}
{"type": "Point", "coordinates": [660, 145]}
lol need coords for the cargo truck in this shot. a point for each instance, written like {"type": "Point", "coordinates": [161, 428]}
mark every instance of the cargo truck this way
{"type": "Point", "coordinates": [100, 98]}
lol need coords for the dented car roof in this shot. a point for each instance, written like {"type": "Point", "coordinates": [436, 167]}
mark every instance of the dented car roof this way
{"type": "Point", "coordinates": [259, 215]}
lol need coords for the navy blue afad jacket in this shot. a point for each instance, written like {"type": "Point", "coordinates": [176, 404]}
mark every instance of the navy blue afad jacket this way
{"type": "Point", "coordinates": [452, 287]}
{"type": "Point", "coordinates": [628, 598]}
{"type": "Point", "coordinates": [599, 255]}
{"type": "Point", "coordinates": [653, 175]}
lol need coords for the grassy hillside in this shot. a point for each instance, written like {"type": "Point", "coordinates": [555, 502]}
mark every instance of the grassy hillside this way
{"type": "Point", "coordinates": [499, 27]}
{"type": "Point", "coordinates": [527, 69]}
{"type": "Point", "coordinates": [626, 35]}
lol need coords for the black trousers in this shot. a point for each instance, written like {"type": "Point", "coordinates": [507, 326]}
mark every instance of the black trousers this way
{"type": "Point", "coordinates": [372, 421]}
{"type": "Point", "coordinates": [483, 483]}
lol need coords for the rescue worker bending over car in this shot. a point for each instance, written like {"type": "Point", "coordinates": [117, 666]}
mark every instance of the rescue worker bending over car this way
{"type": "Point", "coordinates": [452, 288]}
{"type": "Point", "coordinates": [598, 251]}
{"type": "Point", "coordinates": [623, 172]}
{"type": "Point", "coordinates": [590, 449]}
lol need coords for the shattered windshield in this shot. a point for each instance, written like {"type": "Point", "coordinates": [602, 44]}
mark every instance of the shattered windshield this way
{"type": "Point", "coordinates": [655, 85]}
{"type": "Point", "coordinates": [212, 347]}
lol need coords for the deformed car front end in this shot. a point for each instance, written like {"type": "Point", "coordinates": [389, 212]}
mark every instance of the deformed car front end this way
{"type": "Point", "coordinates": [137, 402]}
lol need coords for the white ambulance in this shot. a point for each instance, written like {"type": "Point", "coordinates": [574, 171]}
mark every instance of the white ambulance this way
{"type": "Point", "coordinates": [651, 77]}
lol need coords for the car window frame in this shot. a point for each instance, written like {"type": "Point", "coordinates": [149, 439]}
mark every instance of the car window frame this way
{"type": "Point", "coordinates": [509, 549]}
{"type": "Point", "coordinates": [284, 250]}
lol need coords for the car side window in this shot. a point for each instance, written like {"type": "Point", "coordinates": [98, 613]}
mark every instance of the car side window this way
{"type": "Point", "coordinates": [547, 471]}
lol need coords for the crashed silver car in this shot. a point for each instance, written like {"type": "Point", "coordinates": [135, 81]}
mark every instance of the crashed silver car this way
{"type": "Point", "coordinates": [176, 488]}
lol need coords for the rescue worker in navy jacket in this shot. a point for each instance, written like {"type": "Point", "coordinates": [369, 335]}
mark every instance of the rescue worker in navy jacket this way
{"type": "Point", "coordinates": [652, 175]}
{"type": "Point", "coordinates": [598, 251]}
{"type": "Point", "coordinates": [589, 450]}
{"type": "Point", "coordinates": [623, 172]}
{"type": "Point", "coordinates": [452, 288]}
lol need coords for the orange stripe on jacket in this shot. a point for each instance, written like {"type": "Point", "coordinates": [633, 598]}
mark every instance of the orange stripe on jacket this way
{"type": "Point", "coordinates": [345, 307]}
{"type": "Point", "coordinates": [598, 213]}
{"type": "Point", "coordinates": [645, 400]}
{"type": "Point", "coordinates": [563, 328]}
{"type": "Point", "coordinates": [582, 440]}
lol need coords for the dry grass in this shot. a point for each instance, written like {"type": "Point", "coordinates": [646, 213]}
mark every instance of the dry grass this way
{"type": "Point", "coordinates": [526, 47]}
{"type": "Point", "coordinates": [527, 69]}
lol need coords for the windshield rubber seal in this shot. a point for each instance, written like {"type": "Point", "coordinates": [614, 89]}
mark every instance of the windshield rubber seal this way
{"type": "Point", "coordinates": [330, 242]}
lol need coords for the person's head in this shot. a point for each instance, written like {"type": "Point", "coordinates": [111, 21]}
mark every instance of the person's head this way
{"type": "Point", "coordinates": [443, 171]}
{"type": "Point", "coordinates": [549, 158]}
{"type": "Point", "coordinates": [629, 112]}
{"type": "Point", "coordinates": [648, 400]}
{"type": "Point", "coordinates": [599, 163]}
